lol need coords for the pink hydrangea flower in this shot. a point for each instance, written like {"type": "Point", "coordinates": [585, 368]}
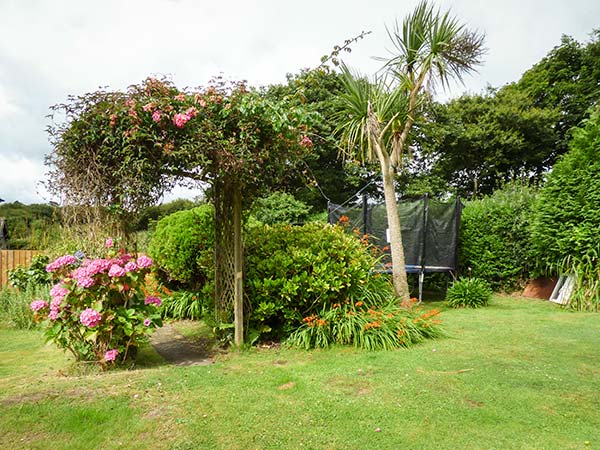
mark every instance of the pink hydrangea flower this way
{"type": "Point", "coordinates": [80, 272]}
{"type": "Point", "coordinates": [85, 282]}
{"type": "Point", "coordinates": [58, 292]}
{"type": "Point", "coordinates": [116, 271]}
{"type": "Point", "coordinates": [108, 243]}
{"type": "Point", "coordinates": [131, 267]}
{"type": "Point", "coordinates": [61, 262]}
{"type": "Point", "coordinates": [37, 305]}
{"type": "Point", "coordinates": [156, 115]}
{"type": "Point", "coordinates": [90, 317]}
{"type": "Point", "coordinates": [111, 355]}
{"type": "Point", "coordinates": [181, 119]}
{"type": "Point", "coordinates": [147, 322]}
{"type": "Point", "coordinates": [144, 262]}
{"type": "Point", "coordinates": [97, 266]}
{"type": "Point", "coordinates": [153, 301]}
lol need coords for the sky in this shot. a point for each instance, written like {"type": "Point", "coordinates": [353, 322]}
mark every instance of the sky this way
{"type": "Point", "coordinates": [50, 49]}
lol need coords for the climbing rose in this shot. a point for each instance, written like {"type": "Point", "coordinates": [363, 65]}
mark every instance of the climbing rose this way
{"type": "Point", "coordinates": [156, 115]}
{"type": "Point", "coordinates": [108, 243]}
{"type": "Point", "coordinates": [144, 262]}
{"type": "Point", "coordinates": [90, 317]}
{"type": "Point", "coordinates": [36, 305]}
{"type": "Point", "coordinates": [181, 119]}
{"type": "Point", "coordinates": [111, 355]}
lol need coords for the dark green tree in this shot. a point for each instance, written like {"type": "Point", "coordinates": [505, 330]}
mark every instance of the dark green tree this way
{"type": "Point", "coordinates": [475, 143]}
{"type": "Point", "coordinates": [568, 79]}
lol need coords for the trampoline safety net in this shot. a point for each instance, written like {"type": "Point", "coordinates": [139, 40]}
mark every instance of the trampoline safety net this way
{"type": "Point", "coordinates": [429, 231]}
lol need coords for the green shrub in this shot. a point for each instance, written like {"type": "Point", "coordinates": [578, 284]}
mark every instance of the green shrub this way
{"type": "Point", "coordinates": [280, 207]}
{"type": "Point", "coordinates": [494, 237]}
{"type": "Point", "coordinates": [33, 276]}
{"type": "Point", "coordinates": [182, 246]}
{"type": "Point", "coordinates": [469, 293]}
{"type": "Point", "coordinates": [292, 272]}
{"type": "Point", "coordinates": [15, 308]}
{"type": "Point", "coordinates": [567, 214]}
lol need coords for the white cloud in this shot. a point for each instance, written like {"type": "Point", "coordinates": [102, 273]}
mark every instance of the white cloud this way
{"type": "Point", "coordinates": [20, 180]}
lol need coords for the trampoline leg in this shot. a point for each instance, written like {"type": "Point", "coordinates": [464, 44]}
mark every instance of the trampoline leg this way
{"type": "Point", "coordinates": [421, 278]}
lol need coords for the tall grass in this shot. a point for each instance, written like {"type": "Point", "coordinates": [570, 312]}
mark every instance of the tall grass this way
{"type": "Point", "coordinates": [14, 306]}
{"type": "Point", "coordinates": [586, 290]}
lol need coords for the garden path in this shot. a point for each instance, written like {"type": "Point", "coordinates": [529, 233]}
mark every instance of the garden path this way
{"type": "Point", "coordinates": [178, 350]}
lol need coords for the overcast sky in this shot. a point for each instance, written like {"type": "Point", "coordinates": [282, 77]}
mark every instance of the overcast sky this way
{"type": "Point", "coordinates": [52, 48]}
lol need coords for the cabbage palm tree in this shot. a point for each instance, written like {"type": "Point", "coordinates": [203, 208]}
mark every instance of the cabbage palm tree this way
{"type": "Point", "coordinates": [430, 48]}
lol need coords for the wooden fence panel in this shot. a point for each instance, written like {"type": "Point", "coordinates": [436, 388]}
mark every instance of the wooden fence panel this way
{"type": "Point", "coordinates": [11, 259]}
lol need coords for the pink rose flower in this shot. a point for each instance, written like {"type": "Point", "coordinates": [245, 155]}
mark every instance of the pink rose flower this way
{"type": "Point", "coordinates": [111, 355]}
{"type": "Point", "coordinates": [153, 301]}
{"type": "Point", "coordinates": [144, 262]}
{"type": "Point", "coordinates": [191, 112]}
{"type": "Point", "coordinates": [116, 271]}
{"type": "Point", "coordinates": [181, 119]}
{"type": "Point", "coordinates": [36, 305]}
{"type": "Point", "coordinates": [108, 243]}
{"type": "Point", "coordinates": [90, 317]}
{"type": "Point", "coordinates": [156, 115]}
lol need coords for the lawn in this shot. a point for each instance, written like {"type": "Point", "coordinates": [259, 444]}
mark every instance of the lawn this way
{"type": "Point", "coordinates": [520, 374]}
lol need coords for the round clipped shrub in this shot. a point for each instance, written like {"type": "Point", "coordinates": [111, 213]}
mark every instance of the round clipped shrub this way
{"type": "Point", "coordinates": [292, 272]}
{"type": "Point", "coordinates": [469, 293]}
{"type": "Point", "coordinates": [183, 247]}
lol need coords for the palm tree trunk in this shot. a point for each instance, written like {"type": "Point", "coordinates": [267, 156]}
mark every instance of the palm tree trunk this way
{"type": "Point", "coordinates": [398, 263]}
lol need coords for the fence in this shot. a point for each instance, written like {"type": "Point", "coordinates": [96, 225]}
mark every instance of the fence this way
{"type": "Point", "coordinates": [10, 259]}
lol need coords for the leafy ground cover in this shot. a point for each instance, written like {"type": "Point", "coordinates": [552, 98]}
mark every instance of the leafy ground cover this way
{"type": "Point", "coordinates": [517, 374]}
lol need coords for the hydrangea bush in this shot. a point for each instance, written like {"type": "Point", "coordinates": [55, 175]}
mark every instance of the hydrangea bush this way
{"type": "Point", "coordinates": [99, 309]}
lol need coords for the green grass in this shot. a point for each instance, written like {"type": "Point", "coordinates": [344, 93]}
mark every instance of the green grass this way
{"type": "Point", "coordinates": [519, 374]}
